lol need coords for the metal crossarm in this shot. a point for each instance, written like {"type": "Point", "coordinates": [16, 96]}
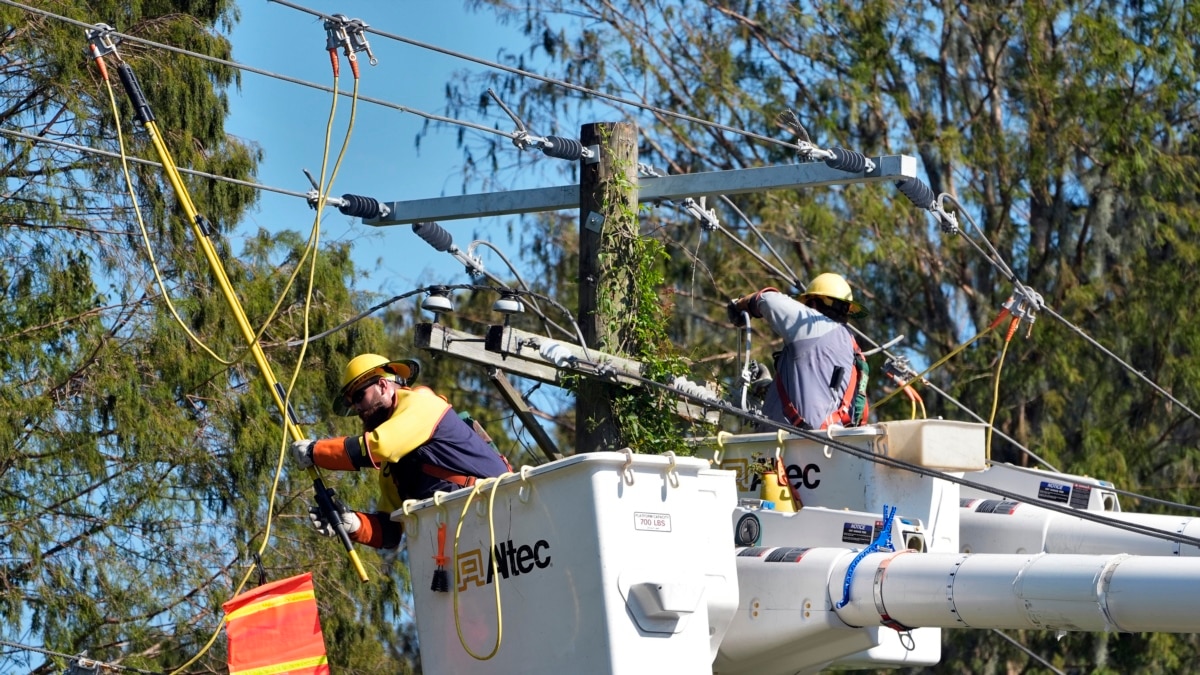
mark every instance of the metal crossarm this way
{"type": "Point", "coordinates": [737, 181]}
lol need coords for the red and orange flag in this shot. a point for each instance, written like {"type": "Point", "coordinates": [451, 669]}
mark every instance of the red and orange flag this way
{"type": "Point", "coordinates": [275, 629]}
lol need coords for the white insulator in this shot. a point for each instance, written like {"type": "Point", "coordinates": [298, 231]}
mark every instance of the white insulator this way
{"type": "Point", "coordinates": [556, 353]}
{"type": "Point", "coordinates": [692, 389]}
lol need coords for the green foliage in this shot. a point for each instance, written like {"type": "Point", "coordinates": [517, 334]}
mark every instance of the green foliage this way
{"type": "Point", "coordinates": [136, 469]}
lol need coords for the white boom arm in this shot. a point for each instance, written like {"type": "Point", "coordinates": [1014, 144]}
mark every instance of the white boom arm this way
{"type": "Point", "coordinates": [788, 619]}
{"type": "Point", "coordinates": [991, 526]}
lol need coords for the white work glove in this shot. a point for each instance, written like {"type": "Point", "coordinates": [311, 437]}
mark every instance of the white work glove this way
{"type": "Point", "coordinates": [350, 520]}
{"type": "Point", "coordinates": [302, 450]}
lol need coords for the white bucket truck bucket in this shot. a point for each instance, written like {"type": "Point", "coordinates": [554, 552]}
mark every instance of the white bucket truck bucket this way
{"type": "Point", "coordinates": [600, 563]}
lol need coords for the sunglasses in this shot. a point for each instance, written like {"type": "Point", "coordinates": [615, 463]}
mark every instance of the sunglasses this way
{"type": "Point", "coordinates": [357, 397]}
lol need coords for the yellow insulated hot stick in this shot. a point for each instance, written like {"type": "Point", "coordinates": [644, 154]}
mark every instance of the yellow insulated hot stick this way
{"type": "Point", "coordinates": [203, 230]}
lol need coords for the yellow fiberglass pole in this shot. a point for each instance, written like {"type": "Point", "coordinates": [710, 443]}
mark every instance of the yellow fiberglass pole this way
{"type": "Point", "coordinates": [203, 230]}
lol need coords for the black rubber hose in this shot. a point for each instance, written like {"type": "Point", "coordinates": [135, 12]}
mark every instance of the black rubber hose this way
{"type": "Point", "coordinates": [360, 207]}
{"type": "Point", "coordinates": [563, 148]}
{"type": "Point", "coordinates": [917, 192]}
{"type": "Point", "coordinates": [847, 160]}
{"type": "Point", "coordinates": [435, 235]}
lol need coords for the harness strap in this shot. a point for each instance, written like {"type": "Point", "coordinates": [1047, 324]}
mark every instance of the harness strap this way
{"type": "Point", "coordinates": [844, 414]}
{"type": "Point", "coordinates": [448, 475]}
{"type": "Point", "coordinates": [789, 409]}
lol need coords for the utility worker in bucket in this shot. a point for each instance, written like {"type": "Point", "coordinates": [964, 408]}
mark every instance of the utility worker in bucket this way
{"type": "Point", "coordinates": [820, 374]}
{"type": "Point", "coordinates": [412, 435]}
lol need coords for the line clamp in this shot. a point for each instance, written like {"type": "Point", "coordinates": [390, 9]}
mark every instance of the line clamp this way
{"type": "Point", "coordinates": [350, 35]}
{"type": "Point", "coordinates": [100, 41]}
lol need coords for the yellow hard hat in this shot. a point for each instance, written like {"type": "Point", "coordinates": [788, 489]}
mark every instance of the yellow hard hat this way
{"type": "Point", "coordinates": [830, 285]}
{"type": "Point", "coordinates": [365, 366]}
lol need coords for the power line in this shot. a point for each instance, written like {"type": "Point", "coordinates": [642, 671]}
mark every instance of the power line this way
{"type": "Point", "coordinates": [260, 71]}
{"type": "Point", "coordinates": [147, 162]}
{"type": "Point", "coordinates": [1029, 652]}
{"type": "Point", "coordinates": [83, 660]}
{"type": "Point", "coordinates": [1106, 351]}
{"type": "Point", "coordinates": [963, 406]}
{"type": "Point", "coordinates": [548, 80]}
{"type": "Point", "coordinates": [996, 261]}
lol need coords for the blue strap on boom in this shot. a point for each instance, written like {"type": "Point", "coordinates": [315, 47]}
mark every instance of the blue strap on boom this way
{"type": "Point", "coordinates": [883, 541]}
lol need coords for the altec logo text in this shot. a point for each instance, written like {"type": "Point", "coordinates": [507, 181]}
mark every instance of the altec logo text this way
{"type": "Point", "coordinates": [511, 560]}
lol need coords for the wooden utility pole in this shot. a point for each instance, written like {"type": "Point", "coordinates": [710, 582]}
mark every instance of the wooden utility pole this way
{"type": "Point", "coordinates": [608, 203]}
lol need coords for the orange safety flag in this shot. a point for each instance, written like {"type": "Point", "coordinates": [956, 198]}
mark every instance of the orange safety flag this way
{"type": "Point", "coordinates": [275, 629]}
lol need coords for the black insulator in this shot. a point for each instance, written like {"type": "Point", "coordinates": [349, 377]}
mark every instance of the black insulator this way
{"type": "Point", "coordinates": [563, 148]}
{"type": "Point", "coordinates": [917, 192]}
{"type": "Point", "coordinates": [133, 89]}
{"type": "Point", "coordinates": [360, 207]}
{"type": "Point", "coordinates": [847, 160]}
{"type": "Point", "coordinates": [435, 235]}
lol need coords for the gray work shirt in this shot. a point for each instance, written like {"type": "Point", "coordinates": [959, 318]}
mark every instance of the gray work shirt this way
{"type": "Point", "coordinates": [814, 346]}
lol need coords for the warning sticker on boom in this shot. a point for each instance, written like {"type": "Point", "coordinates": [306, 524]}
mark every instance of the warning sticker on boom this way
{"type": "Point", "coordinates": [997, 506]}
{"type": "Point", "coordinates": [786, 554]}
{"type": "Point", "coordinates": [857, 533]}
{"type": "Point", "coordinates": [1054, 492]}
{"type": "Point", "coordinates": [1080, 496]}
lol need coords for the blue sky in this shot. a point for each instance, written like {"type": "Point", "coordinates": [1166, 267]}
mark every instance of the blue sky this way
{"type": "Point", "coordinates": [288, 122]}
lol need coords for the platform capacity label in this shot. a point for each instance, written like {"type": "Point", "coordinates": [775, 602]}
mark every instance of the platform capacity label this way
{"type": "Point", "coordinates": [655, 522]}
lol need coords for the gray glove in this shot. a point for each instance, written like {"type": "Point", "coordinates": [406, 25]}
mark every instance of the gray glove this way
{"type": "Point", "coordinates": [302, 450]}
{"type": "Point", "coordinates": [350, 520]}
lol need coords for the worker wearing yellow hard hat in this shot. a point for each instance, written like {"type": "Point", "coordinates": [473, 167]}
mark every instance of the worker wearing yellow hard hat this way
{"type": "Point", "coordinates": [412, 435]}
{"type": "Point", "coordinates": [364, 366]}
{"type": "Point", "coordinates": [820, 373]}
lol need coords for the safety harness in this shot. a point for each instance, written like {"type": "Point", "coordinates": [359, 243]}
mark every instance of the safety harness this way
{"type": "Point", "coordinates": [463, 480]}
{"type": "Point", "coordinates": [854, 407]}
{"type": "Point", "coordinates": [456, 478]}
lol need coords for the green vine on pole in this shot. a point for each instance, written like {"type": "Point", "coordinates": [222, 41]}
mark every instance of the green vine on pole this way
{"type": "Point", "coordinates": [632, 274]}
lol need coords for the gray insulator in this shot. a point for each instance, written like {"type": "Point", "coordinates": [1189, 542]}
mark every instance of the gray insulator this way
{"type": "Point", "coordinates": [563, 148]}
{"type": "Point", "coordinates": [917, 192]}
{"type": "Point", "coordinates": [435, 235]}
{"type": "Point", "coordinates": [847, 160]}
{"type": "Point", "coordinates": [360, 207]}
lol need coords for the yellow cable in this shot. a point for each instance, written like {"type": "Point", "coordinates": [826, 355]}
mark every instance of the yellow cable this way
{"type": "Point", "coordinates": [310, 247]}
{"type": "Point", "coordinates": [491, 554]}
{"type": "Point", "coordinates": [310, 254]}
{"type": "Point", "coordinates": [913, 406]}
{"type": "Point", "coordinates": [939, 362]}
{"type": "Point", "coordinates": [996, 396]}
{"type": "Point", "coordinates": [314, 235]}
{"type": "Point", "coordinates": [137, 210]}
